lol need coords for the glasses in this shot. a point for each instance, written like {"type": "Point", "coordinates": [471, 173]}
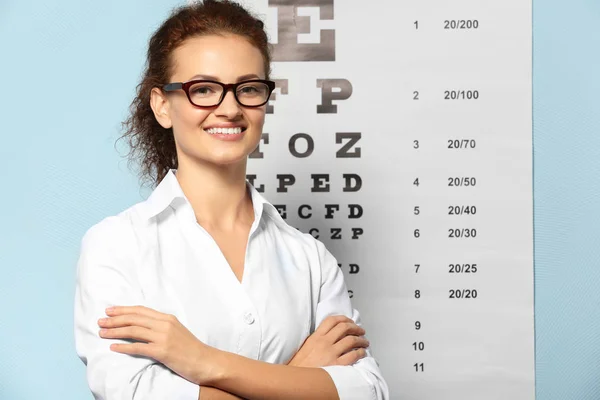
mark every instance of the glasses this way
{"type": "Point", "coordinates": [208, 94]}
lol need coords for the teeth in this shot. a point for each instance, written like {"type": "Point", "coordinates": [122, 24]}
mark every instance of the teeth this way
{"type": "Point", "coordinates": [225, 131]}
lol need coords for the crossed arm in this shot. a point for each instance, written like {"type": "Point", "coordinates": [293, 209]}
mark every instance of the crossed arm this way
{"type": "Point", "coordinates": [103, 278]}
{"type": "Point", "coordinates": [211, 393]}
{"type": "Point", "coordinates": [223, 375]}
{"type": "Point", "coordinates": [337, 341]}
{"type": "Point", "coordinates": [251, 379]}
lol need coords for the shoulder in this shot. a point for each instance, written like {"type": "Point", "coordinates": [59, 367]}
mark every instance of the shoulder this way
{"type": "Point", "coordinates": [110, 251]}
{"type": "Point", "coordinates": [109, 258]}
{"type": "Point", "coordinates": [116, 233]}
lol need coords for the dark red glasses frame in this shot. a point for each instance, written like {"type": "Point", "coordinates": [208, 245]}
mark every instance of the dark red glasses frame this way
{"type": "Point", "coordinates": [185, 86]}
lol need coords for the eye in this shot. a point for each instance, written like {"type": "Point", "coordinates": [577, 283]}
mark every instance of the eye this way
{"type": "Point", "coordinates": [249, 89]}
{"type": "Point", "coordinates": [203, 90]}
{"type": "Point", "coordinates": [254, 89]}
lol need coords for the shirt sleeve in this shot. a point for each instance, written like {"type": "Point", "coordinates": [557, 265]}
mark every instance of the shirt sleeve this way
{"type": "Point", "coordinates": [362, 380]}
{"type": "Point", "coordinates": [106, 276]}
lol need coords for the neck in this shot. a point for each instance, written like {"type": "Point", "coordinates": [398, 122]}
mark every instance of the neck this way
{"type": "Point", "coordinates": [218, 194]}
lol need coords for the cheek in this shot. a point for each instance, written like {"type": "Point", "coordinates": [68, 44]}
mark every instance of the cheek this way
{"type": "Point", "coordinates": [257, 117]}
{"type": "Point", "coordinates": [187, 119]}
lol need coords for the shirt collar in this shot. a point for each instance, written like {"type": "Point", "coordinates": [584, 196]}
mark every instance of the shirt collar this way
{"type": "Point", "coordinates": [169, 190]}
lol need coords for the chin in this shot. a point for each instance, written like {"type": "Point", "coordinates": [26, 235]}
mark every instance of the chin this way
{"type": "Point", "coordinates": [228, 159]}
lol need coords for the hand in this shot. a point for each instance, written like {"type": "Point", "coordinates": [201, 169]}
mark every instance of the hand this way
{"type": "Point", "coordinates": [167, 341]}
{"type": "Point", "coordinates": [332, 343]}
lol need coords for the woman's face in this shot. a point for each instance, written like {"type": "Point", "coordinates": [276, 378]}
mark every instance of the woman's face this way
{"type": "Point", "coordinates": [227, 59]}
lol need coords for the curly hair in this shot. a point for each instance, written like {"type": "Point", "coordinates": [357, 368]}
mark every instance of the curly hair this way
{"type": "Point", "coordinates": [151, 145]}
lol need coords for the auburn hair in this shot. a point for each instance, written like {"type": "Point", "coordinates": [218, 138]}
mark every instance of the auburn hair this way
{"type": "Point", "coordinates": [151, 145]}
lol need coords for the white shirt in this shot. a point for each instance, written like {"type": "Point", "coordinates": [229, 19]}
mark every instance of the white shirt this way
{"type": "Point", "coordinates": [155, 254]}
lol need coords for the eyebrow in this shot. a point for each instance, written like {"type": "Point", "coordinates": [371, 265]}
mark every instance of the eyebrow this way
{"type": "Point", "coordinates": [214, 78]}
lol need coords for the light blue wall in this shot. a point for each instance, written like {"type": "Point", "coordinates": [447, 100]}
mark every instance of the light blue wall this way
{"type": "Point", "coordinates": [61, 102]}
{"type": "Point", "coordinates": [60, 174]}
{"type": "Point", "coordinates": [566, 140]}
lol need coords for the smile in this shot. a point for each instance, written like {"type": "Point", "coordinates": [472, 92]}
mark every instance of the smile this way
{"type": "Point", "coordinates": [225, 131]}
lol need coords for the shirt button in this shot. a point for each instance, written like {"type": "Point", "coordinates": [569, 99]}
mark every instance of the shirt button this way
{"type": "Point", "coordinates": [248, 318]}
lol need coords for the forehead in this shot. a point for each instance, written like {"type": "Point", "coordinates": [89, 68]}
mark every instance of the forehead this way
{"type": "Point", "coordinates": [225, 57]}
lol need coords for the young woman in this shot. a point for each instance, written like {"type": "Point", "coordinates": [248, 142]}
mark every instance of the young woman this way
{"type": "Point", "coordinates": [215, 296]}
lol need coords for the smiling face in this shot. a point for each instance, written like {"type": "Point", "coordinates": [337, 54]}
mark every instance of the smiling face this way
{"type": "Point", "coordinates": [227, 59]}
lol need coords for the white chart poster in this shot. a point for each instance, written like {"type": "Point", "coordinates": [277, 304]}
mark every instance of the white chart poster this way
{"type": "Point", "coordinates": [401, 136]}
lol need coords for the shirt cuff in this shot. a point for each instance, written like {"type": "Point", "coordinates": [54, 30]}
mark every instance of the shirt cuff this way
{"type": "Point", "coordinates": [350, 383]}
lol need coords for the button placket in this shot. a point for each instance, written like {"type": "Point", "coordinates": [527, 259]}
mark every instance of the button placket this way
{"type": "Point", "coordinates": [249, 343]}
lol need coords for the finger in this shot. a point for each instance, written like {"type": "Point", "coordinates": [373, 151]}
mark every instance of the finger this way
{"type": "Point", "coordinates": [350, 342]}
{"type": "Point", "coordinates": [141, 310]}
{"type": "Point", "coordinates": [330, 322]}
{"type": "Point", "coordinates": [351, 357]}
{"type": "Point", "coordinates": [128, 320]}
{"type": "Point", "coordinates": [344, 329]}
{"type": "Point", "coordinates": [130, 332]}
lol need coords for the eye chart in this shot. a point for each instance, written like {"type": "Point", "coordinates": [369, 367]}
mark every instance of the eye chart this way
{"type": "Point", "coordinates": [400, 135]}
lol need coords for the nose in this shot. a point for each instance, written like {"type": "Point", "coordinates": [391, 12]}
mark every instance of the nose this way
{"type": "Point", "coordinates": [229, 107]}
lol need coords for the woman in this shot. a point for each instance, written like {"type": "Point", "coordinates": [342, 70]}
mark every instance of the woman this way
{"type": "Point", "coordinates": [215, 296]}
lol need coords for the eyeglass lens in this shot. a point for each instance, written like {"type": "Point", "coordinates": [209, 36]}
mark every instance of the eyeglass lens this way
{"type": "Point", "coordinates": [208, 94]}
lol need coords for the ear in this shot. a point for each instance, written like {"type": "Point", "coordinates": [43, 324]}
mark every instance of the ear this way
{"type": "Point", "coordinates": [160, 107]}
